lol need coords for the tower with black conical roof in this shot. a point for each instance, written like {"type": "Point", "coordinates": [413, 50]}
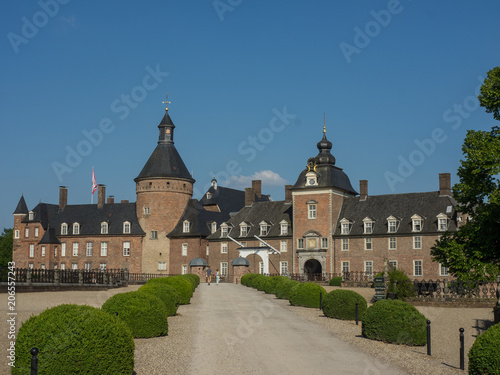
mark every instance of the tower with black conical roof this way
{"type": "Point", "coordinates": [163, 190]}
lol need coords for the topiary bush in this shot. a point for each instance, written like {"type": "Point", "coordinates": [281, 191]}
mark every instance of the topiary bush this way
{"type": "Point", "coordinates": [145, 314]}
{"type": "Point", "coordinates": [484, 356]}
{"type": "Point", "coordinates": [166, 293]}
{"type": "Point", "coordinates": [245, 279]}
{"type": "Point", "coordinates": [254, 281]}
{"type": "Point", "coordinates": [74, 339]}
{"type": "Point", "coordinates": [336, 281]}
{"type": "Point", "coordinates": [272, 282]}
{"type": "Point", "coordinates": [396, 322]}
{"type": "Point", "coordinates": [190, 277]}
{"type": "Point", "coordinates": [306, 294]}
{"type": "Point", "coordinates": [284, 287]}
{"type": "Point", "coordinates": [259, 283]}
{"type": "Point", "coordinates": [341, 304]}
{"type": "Point", "coordinates": [183, 286]}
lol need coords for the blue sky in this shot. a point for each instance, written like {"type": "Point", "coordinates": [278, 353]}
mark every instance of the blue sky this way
{"type": "Point", "coordinates": [82, 85]}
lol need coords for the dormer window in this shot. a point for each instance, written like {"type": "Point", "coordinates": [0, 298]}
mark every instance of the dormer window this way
{"type": "Point", "coordinates": [213, 227]}
{"type": "Point", "coordinates": [209, 195]}
{"type": "Point", "coordinates": [345, 226]}
{"type": "Point", "coordinates": [416, 223]}
{"type": "Point", "coordinates": [392, 224]}
{"type": "Point", "coordinates": [104, 228]}
{"type": "Point", "coordinates": [76, 228]}
{"type": "Point", "coordinates": [185, 226]}
{"type": "Point", "coordinates": [244, 229]}
{"type": "Point", "coordinates": [442, 222]}
{"type": "Point", "coordinates": [283, 228]}
{"type": "Point", "coordinates": [312, 206]}
{"type": "Point", "coordinates": [264, 228]}
{"type": "Point", "coordinates": [368, 225]}
{"type": "Point", "coordinates": [31, 215]}
{"type": "Point", "coordinates": [64, 228]}
{"type": "Point", "coordinates": [126, 227]}
{"type": "Point", "coordinates": [224, 230]}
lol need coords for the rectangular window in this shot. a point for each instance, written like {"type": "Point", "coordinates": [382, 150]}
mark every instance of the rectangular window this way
{"type": "Point", "coordinates": [344, 229]}
{"type": "Point", "coordinates": [443, 271]}
{"type": "Point", "coordinates": [223, 269]}
{"type": "Point", "coordinates": [75, 249]}
{"type": "Point", "coordinates": [55, 251]}
{"type": "Point", "coordinates": [30, 266]}
{"type": "Point", "coordinates": [393, 264]}
{"type": "Point", "coordinates": [36, 232]}
{"type": "Point", "coordinates": [42, 266]}
{"type": "Point", "coordinates": [102, 266]}
{"type": "Point", "coordinates": [417, 225]}
{"type": "Point", "coordinates": [88, 251]}
{"type": "Point", "coordinates": [392, 226]}
{"type": "Point", "coordinates": [243, 243]}
{"type": "Point", "coordinates": [88, 266]}
{"type": "Point", "coordinates": [104, 249]}
{"type": "Point", "coordinates": [223, 247]}
{"type": "Point", "coordinates": [184, 269]}
{"type": "Point", "coordinates": [264, 230]}
{"type": "Point", "coordinates": [283, 246]}
{"type": "Point", "coordinates": [126, 227]}
{"type": "Point", "coordinates": [126, 248]}
{"type": "Point", "coordinates": [16, 233]}
{"type": "Point", "coordinates": [345, 270]}
{"type": "Point", "coordinates": [32, 250]}
{"type": "Point", "coordinates": [64, 228]}
{"type": "Point", "coordinates": [63, 249]}
{"type": "Point", "coordinates": [185, 227]}
{"type": "Point", "coordinates": [243, 231]}
{"type": "Point", "coordinates": [63, 266]}
{"type": "Point", "coordinates": [162, 266]}
{"type": "Point", "coordinates": [43, 251]}
{"type": "Point", "coordinates": [214, 227]}
{"type": "Point", "coordinates": [417, 268]}
{"type": "Point", "coordinates": [27, 232]}
{"type": "Point", "coordinates": [283, 268]}
{"type": "Point", "coordinates": [261, 267]}
{"type": "Point", "coordinates": [392, 243]}
{"type": "Point", "coordinates": [184, 249]}
{"type": "Point", "coordinates": [368, 268]}
{"type": "Point", "coordinates": [223, 231]}
{"type": "Point", "coordinates": [300, 243]}
{"type": "Point", "coordinates": [76, 228]}
{"type": "Point", "coordinates": [345, 244]}
{"type": "Point", "coordinates": [312, 211]}
{"type": "Point", "coordinates": [208, 250]}
{"type": "Point", "coordinates": [368, 244]}
{"type": "Point", "coordinates": [284, 229]}
{"type": "Point", "coordinates": [55, 266]}
{"type": "Point", "coordinates": [74, 266]}
{"type": "Point", "coordinates": [368, 227]}
{"type": "Point", "coordinates": [324, 243]}
{"type": "Point", "coordinates": [417, 242]}
{"type": "Point", "coordinates": [104, 228]}
{"type": "Point", "coordinates": [146, 210]}
{"type": "Point", "coordinates": [154, 234]}
{"type": "Point", "coordinates": [442, 224]}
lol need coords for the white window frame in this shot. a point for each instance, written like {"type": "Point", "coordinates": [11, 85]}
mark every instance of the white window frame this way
{"type": "Point", "coordinates": [76, 228]}
{"type": "Point", "coordinates": [368, 267]}
{"type": "Point", "coordinates": [16, 233]}
{"type": "Point", "coordinates": [37, 231]}
{"type": "Point", "coordinates": [417, 242]}
{"type": "Point", "coordinates": [146, 210]}
{"type": "Point", "coordinates": [162, 266]}
{"type": "Point", "coordinates": [392, 224]}
{"type": "Point", "coordinates": [63, 266]}
{"type": "Point", "coordinates": [154, 235]}
{"type": "Point", "coordinates": [102, 266]}
{"type": "Point", "coordinates": [127, 227]}
{"type": "Point", "coordinates": [300, 243]}
{"type": "Point", "coordinates": [185, 226]}
{"type": "Point", "coordinates": [89, 248]}
{"type": "Point", "coordinates": [283, 229]}
{"type": "Point", "coordinates": [104, 228]}
{"type": "Point", "coordinates": [442, 222]}
{"type": "Point", "coordinates": [312, 210]}
{"type": "Point", "coordinates": [265, 228]}
{"type": "Point", "coordinates": [31, 215]}
{"type": "Point", "coordinates": [416, 223]}
{"type": "Point", "coordinates": [345, 226]}
{"type": "Point", "coordinates": [223, 247]}
{"type": "Point", "coordinates": [324, 243]}
{"type": "Point", "coordinates": [213, 227]}
{"type": "Point", "coordinates": [55, 251]}
{"type": "Point", "coordinates": [346, 266]}
{"type": "Point", "coordinates": [63, 249]}
{"type": "Point", "coordinates": [43, 250]}
{"type": "Point", "coordinates": [393, 264]}
{"type": "Point", "coordinates": [224, 230]}
{"type": "Point", "coordinates": [88, 266]}
{"type": "Point", "coordinates": [75, 249]}
{"type": "Point", "coordinates": [345, 244]}
{"type": "Point", "coordinates": [104, 248]}
{"type": "Point", "coordinates": [64, 229]}
{"type": "Point", "coordinates": [30, 266]}
{"type": "Point", "coordinates": [283, 246]}
{"type": "Point", "coordinates": [32, 250]}
{"type": "Point", "coordinates": [368, 225]}
{"type": "Point", "coordinates": [393, 244]}
{"type": "Point", "coordinates": [283, 267]}
{"type": "Point", "coordinates": [223, 269]}
{"type": "Point", "coordinates": [261, 268]}
{"type": "Point", "coordinates": [244, 229]}
{"type": "Point", "coordinates": [184, 269]}
{"type": "Point", "coordinates": [26, 232]}
{"type": "Point", "coordinates": [126, 248]}
{"type": "Point", "coordinates": [443, 271]}
{"type": "Point", "coordinates": [207, 249]}
{"type": "Point", "coordinates": [74, 266]}
{"type": "Point", "coordinates": [184, 250]}
{"type": "Point", "coordinates": [368, 244]}
{"type": "Point", "coordinates": [418, 266]}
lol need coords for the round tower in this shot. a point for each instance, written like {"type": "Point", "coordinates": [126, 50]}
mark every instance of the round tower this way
{"type": "Point", "coordinates": [163, 190]}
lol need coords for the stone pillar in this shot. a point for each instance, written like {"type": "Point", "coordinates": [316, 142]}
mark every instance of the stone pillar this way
{"type": "Point", "coordinates": [238, 272]}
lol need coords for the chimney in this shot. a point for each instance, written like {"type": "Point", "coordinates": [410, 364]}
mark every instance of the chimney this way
{"type": "Point", "coordinates": [288, 193]}
{"type": "Point", "coordinates": [444, 184]}
{"type": "Point", "coordinates": [63, 197]}
{"type": "Point", "coordinates": [249, 197]}
{"type": "Point", "coordinates": [101, 195]}
{"type": "Point", "coordinates": [124, 201]}
{"type": "Point", "coordinates": [363, 190]}
{"type": "Point", "coordinates": [257, 187]}
{"type": "Point", "coordinates": [111, 199]}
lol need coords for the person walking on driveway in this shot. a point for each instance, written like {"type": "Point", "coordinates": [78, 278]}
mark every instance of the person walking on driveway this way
{"type": "Point", "coordinates": [209, 275]}
{"type": "Point", "coordinates": [217, 276]}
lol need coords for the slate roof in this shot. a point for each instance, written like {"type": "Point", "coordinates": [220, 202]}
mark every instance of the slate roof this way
{"type": "Point", "coordinates": [21, 208]}
{"type": "Point", "coordinates": [50, 237]}
{"type": "Point", "coordinates": [329, 176]}
{"type": "Point", "coordinates": [402, 206]}
{"type": "Point", "coordinates": [228, 200]}
{"type": "Point", "coordinates": [270, 212]}
{"type": "Point", "coordinates": [88, 216]}
{"type": "Point", "coordinates": [165, 161]}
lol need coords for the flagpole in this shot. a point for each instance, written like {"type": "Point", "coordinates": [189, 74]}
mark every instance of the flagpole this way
{"type": "Point", "coordinates": [92, 188]}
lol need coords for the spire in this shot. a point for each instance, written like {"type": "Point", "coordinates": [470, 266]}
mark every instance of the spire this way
{"type": "Point", "coordinates": [22, 207]}
{"type": "Point", "coordinates": [166, 126]}
{"type": "Point", "coordinates": [324, 147]}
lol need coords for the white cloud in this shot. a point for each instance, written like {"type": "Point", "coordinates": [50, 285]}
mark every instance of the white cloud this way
{"type": "Point", "coordinates": [267, 177]}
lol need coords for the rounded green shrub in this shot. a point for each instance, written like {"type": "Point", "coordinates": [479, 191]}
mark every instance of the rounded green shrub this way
{"type": "Point", "coordinates": [190, 279]}
{"type": "Point", "coordinates": [166, 293]}
{"type": "Point", "coordinates": [336, 281]}
{"type": "Point", "coordinates": [255, 281]}
{"type": "Point", "coordinates": [259, 283]}
{"type": "Point", "coordinates": [272, 282]}
{"type": "Point", "coordinates": [145, 314]}
{"type": "Point", "coordinates": [183, 286]}
{"type": "Point", "coordinates": [75, 339]}
{"type": "Point", "coordinates": [245, 279]}
{"type": "Point", "coordinates": [341, 304]}
{"type": "Point", "coordinates": [284, 287]}
{"type": "Point", "coordinates": [396, 322]}
{"type": "Point", "coordinates": [484, 356]}
{"type": "Point", "coordinates": [306, 294]}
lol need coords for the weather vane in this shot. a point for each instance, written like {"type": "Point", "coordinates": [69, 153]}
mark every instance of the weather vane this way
{"type": "Point", "coordinates": [166, 102]}
{"type": "Point", "coordinates": [324, 123]}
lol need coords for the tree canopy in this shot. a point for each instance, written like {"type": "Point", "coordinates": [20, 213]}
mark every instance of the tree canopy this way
{"type": "Point", "coordinates": [6, 243]}
{"type": "Point", "coordinates": [473, 252]}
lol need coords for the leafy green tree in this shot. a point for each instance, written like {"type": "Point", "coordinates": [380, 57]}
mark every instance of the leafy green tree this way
{"type": "Point", "coordinates": [6, 241]}
{"type": "Point", "coordinates": [473, 253]}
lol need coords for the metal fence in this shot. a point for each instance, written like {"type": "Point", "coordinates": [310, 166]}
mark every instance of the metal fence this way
{"type": "Point", "coordinates": [351, 278]}
{"type": "Point", "coordinates": [452, 289]}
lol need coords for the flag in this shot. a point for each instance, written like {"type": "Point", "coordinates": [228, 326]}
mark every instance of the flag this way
{"type": "Point", "coordinates": [94, 182]}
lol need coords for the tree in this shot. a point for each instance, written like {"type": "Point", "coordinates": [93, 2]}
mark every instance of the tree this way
{"type": "Point", "coordinates": [6, 242]}
{"type": "Point", "coordinates": [473, 252]}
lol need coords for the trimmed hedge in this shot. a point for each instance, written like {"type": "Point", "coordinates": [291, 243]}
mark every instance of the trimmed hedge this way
{"type": "Point", "coordinates": [255, 281]}
{"type": "Point", "coordinates": [336, 281]}
{"type": "Point", "coordinates": [306, 294]}
{"type": "Point", "coordinates": [484, 356]}
{"type": "Point", "coordinates": [272, 282]}
{"type": "Point", "coordinates": [396, 322]}
{"type": "Point", "coordinates": [75, 339]}
{"type": "Point", "coordinates": [183, 286]}
{"type": "Point", "coordinates": [341, 304]}
{"type": "Point", "coordinates": [191, 279]}
{"type": "Point", "coordinates": [259, 283]}
{"type": "Point", "coordinates": [284, 287]}
{"type": "Point", "coordinates": [145, 314]}
{"type": "Point", "coordinates": [166, 293]}
{"type": "Point", "coordinates": [245, 279]}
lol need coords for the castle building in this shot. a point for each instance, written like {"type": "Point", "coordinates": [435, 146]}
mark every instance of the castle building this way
{"type": "Point", "coordinates": [323, 226]}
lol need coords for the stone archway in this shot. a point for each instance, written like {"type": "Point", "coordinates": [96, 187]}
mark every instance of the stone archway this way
{"type": "Point", "coordinates": [313, 269]}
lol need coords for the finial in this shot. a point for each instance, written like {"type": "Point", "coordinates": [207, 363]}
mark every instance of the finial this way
{"type": "Point", "coordinates": [324, 123]}
{"type": "Point", "coordinates": [166, 102]}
